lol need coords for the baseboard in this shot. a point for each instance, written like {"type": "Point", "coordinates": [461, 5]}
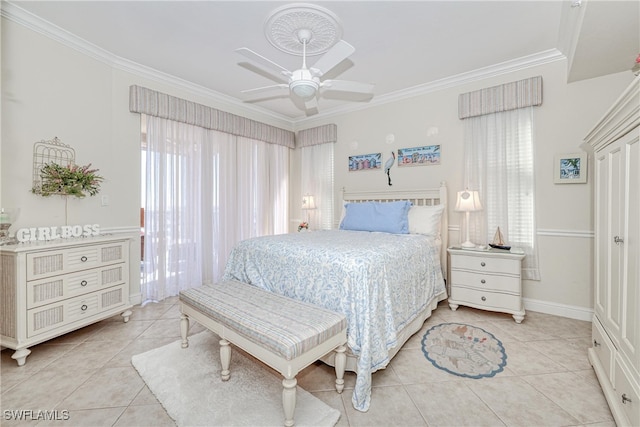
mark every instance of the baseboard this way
{"type": "Point", "coordinates": [562, 310]}
{"type": "Point", "coordinates": [135, 299]}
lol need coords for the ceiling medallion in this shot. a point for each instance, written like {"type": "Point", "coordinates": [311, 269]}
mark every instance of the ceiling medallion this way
{"type": "Point", "coordinates": [283, 26]}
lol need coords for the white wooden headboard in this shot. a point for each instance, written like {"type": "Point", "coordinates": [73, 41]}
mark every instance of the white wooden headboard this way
{"type": "Point", "coordinates": [420, 197]}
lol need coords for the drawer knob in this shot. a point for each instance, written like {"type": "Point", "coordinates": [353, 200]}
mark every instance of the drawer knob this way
{"type": "Point", "coordinates": [83, 258]}
{"type": "Point", "coordinates": [483, 298]}
{"type": "Point", "coordinates": [84, 307]}
{"type": "Point", "coordinates": [483, 264]}
{"type": "Point", "coordinates": [618, 240]}
{"type": "Point", "coordinates": [483, 281]}
{"type": "Point", "coordinates": [83, 283]}
{"type": "Point", "coordinates": [625, 399]}
{"type": "Point", "coordinates": [596, 343]}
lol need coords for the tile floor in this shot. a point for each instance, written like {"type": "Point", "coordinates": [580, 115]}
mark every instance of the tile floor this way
{"type": "Point", "coordinates": [548, 380]}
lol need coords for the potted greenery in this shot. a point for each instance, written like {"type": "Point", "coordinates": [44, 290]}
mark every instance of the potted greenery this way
{"type": "Point", "coordinates": [70, 180]}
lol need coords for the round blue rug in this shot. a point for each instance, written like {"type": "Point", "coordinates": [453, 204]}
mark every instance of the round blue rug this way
{"type": "Point", "coordinates": [464, 350]}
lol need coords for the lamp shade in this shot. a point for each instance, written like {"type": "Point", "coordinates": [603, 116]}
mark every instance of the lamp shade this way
{"type": "Point", "coordinates": [468, 201]}
{"type": "Point", "coordinates": [308, 202]}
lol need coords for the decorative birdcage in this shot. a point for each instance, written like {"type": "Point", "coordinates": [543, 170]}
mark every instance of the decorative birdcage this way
{"type": "Point", "coordinates": [47, 152]}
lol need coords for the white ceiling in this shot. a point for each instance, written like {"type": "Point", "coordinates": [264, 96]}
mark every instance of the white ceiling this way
{"type": "Point", "coordinates": [402, 47]}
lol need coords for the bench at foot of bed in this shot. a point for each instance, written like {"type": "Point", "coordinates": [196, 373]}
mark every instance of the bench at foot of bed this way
{"type": "Point", "coordinates": [286, 334]}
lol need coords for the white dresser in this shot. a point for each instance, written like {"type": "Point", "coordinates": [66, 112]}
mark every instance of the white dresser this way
{"type": "Point", "coordinates": [489, 280]}
{"type": "Point", "coordinates": [50, 288]}
{"type": "Point", "coordinates": [615, 354]}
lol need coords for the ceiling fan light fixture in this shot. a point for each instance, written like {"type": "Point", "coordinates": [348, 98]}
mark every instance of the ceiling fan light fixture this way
{"type": "Point", "coordinates": [304, 89]}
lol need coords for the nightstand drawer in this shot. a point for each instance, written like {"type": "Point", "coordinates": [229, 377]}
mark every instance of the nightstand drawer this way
{"type": "Point", "coordinates": [508, 284]}
{"type": "Point", "coordinates": [486, 264]}
{"type": "Point", "coordinates": [485, 299]}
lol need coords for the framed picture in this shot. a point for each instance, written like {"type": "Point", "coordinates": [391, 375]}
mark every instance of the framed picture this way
{"type": "Point", "coordinates": [570, 168]}
{"type": "Point", "coordinates": [419, 156]}
{"type": "Point", "coordinates": [362, 162]}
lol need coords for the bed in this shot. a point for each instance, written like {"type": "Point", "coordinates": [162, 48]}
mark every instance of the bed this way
{"type": "Point", "coordinates": [386, 283]}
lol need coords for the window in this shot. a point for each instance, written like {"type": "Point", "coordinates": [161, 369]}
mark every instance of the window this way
{"type": "Point", "coordinates": [499, 163]}
{"type": "Point", "coordinates": [317, 180]}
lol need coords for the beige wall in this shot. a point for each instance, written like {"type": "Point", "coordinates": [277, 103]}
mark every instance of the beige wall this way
{"type": "Point", "coordinates": [49, 90]}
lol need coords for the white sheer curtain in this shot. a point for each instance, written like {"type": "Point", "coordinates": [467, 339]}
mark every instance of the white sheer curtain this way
{"type": "Point", "coordinates": [172, 260]}
{"type": "Point", "coordinates": [317, 179]}
{"type": "Point", "coordinates": [499, 163]}
{"type": "Point", "coordinates": [205, 190]}
{"type": "Point", "coordinates": [263, 180]}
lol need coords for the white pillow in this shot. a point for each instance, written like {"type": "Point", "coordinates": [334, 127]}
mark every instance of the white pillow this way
{"type": "Point", "coordinates": [425, 220]}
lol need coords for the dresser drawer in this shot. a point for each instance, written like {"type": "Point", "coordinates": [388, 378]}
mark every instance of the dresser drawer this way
{"type": "Point", "coordinates": [486, 264]}
{"type": "Point", "coordinates": [488, 281]}
{"type": "Point", "coordinates": [627, 393]}
{"type": "Point", "coordinates": [602, 346]}
{"type": "Point", "coordinates": [52, 263]}
{"type": "Point", "coordinates": [80, 308]}
{"type": "Point", "coordinates": [52, 289]}
{"type": "Point", "coordinates": [486, 299]}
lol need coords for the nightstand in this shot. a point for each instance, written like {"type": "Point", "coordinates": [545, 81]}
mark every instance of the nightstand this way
{"type": "Point", "coordinates": [488, 280]}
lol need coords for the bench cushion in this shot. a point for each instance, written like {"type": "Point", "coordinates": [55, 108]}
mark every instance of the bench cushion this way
{"type": "Point", "coordinates": [283, 325]}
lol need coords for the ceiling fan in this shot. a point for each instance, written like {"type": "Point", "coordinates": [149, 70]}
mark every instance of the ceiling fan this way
{"type": "Point", "coordinates": [306, 84]}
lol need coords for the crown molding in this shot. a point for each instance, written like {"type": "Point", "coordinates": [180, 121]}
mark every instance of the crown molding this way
{"type": "Point", "coordinates": [18, 15]}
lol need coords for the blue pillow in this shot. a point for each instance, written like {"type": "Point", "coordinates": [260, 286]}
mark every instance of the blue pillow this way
{"type": "Point", "coordinates": [390, 217]}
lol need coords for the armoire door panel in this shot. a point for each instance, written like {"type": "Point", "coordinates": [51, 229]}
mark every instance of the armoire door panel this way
{"type": "Point", "coordinates": [630, 327]}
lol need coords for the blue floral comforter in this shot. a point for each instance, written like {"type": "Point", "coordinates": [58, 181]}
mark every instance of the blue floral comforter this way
{"type": "Point", "coordinates": [379, 281]}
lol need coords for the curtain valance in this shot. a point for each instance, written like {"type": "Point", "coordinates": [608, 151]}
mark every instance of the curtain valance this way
{"type": "Point", "coordinates": [318, 135]}
{"type": "Point", "coordinates": [157, 104]}
{"type": "Point", "coordinates": [505, 97]}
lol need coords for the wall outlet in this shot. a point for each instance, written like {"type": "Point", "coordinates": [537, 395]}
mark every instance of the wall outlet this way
{"type": "Point", "coordinates": [105, 200]}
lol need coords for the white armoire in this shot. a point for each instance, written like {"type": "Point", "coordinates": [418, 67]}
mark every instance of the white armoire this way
{"type": "Point", "coordinates": [615, 351]}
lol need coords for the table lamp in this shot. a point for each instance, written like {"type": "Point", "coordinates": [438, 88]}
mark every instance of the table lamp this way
{"type": "Point", "coordinates": [468, 201]}
{"type": "Point", "coordinates": [308, 203]}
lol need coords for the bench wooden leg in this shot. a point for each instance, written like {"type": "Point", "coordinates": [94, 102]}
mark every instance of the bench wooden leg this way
{"type": "Point", "coordinates": [340, 362]}
{"type": "Point", "coordinates": [289, 400]}
{"type": "Point", "coordinates": [184, 330]}
{"type": "Point", "coordinates": [225, 359]}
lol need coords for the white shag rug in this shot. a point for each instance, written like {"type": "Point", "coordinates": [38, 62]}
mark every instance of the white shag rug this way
{"type": "Point", "coordinates": [188, 385]}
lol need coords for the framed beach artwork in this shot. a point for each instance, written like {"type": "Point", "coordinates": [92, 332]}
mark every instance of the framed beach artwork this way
{"type": "Point", "coordinates": [570, 168]}
{"type": "Point", "coordinates": [419, 156]}
{"type": "Point", "coordinates": [363, 162]}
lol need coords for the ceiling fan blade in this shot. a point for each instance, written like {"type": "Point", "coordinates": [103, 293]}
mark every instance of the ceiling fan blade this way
{"type": "Point", "coordinates": [265, 64]}
{"type": "Point", "coordinates": [338, 53]}
{"type": "Point", "coordinates": [262, 71]}
{"type": "Point", "coordinates": [347, 90]}
{"type": "Point", "coordinates": [311, 106]}
{"type": "Point", "coordinates": [266, 92]}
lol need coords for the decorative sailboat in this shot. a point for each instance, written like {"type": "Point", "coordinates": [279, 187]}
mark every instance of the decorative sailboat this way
{"type": "Point", "coordinates": [498, 241]}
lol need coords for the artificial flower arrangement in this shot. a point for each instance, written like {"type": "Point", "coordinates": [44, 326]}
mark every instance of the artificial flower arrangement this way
{"type": "Point", "coordinates": [70, 180]}
{"type": "Point", "coordinates": [303, 225]}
